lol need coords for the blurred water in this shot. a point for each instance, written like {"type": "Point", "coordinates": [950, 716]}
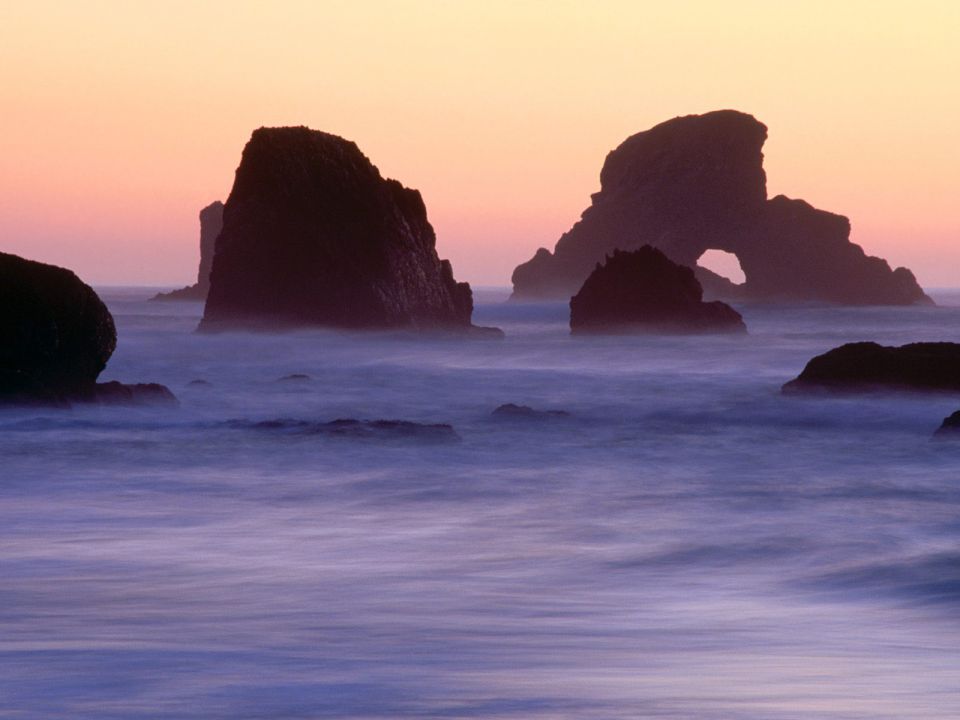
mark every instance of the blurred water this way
{"type": "Point", "coordinates": [688, 543]}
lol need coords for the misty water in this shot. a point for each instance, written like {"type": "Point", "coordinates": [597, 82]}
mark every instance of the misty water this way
{"type": "Point", "coordinates": [687, 543]}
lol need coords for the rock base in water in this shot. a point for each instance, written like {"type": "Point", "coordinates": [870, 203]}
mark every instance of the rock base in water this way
{"type": "Point", "coordinates": [314, 236]}
{"type": "Point", "coordinates": [644, 291]}
{"type": "Point", "coordinates": [869, 367]}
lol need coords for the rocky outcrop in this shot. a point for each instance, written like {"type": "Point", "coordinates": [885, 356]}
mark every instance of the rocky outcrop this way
{"type": "Point", "coordinates": [314, 236]}
{"type": "Point", "coordinates": [211, 222]}
{"type": "Point", "coordinates": [950, 428]}
{"type": "Point", "coordinates": [644, 291]}
{"type": "Point", "coordinates": [867, 367]}
{"type": "Point", "coordinates": [697, 183]}
{"type": "Point", "coordinates": [56, 337]}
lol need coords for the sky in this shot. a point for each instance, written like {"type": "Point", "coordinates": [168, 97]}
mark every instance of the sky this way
{"type": "Point", "coordinates": [120, 120]}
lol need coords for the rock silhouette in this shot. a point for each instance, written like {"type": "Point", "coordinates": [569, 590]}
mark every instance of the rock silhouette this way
{"type": "Point", "coordinates": [867, 366]}
{"type": "Point", "coordinates": [314, 236]}
{"type": "Point", "coordinates": [950, 428]}
{"type": "Point", "coordinates": [697, 183]}
{"type": "Point", "coordinates": [56, 337]}
{"type": "Point", "coordinates": [644, 291]}
{"type": "Point", "coordinates": [211, 222]}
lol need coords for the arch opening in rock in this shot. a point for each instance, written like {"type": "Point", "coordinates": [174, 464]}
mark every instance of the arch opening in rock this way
{"type": "Point", "coordinates": [723, 263]}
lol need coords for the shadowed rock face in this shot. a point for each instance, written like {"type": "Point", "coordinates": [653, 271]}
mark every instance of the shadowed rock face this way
{"type": "Point", "coordinates": [950, 428]}
{"type": "Point", "coordinates": [313, 235]}
{"type": "Point", "coordinates": [56, 337]}
{"type": "Point", "coordinates": [211, 222]}
{"type": "Point", "coordinates": [867, 367]}
{"type": "Point", "coordinates": [644, 291]}
{"type": "Point", "coordinates": [697, 183]}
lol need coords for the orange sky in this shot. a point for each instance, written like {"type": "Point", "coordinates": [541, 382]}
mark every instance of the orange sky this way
{"type": "Point", "coordinates": [120, 120]}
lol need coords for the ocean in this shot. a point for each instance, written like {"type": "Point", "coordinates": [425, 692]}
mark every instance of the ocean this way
{"type": "Point", "coordinates": [685, 543]}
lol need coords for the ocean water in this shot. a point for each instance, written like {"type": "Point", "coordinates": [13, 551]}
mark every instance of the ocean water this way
{"type": "Point", "coordinates": [686, 543]}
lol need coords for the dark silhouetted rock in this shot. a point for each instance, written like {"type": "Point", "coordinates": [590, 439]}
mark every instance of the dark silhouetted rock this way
{"type": "Point", "coordinates": [644, 291]}
{"type": "Point", "coordinates": [56, 337]}
{"type": "Point", "coordinates": [351, 427]}
{"type": "Point", "coordinates": [525, 412]}
{"type": "Point", "coordinates": [950, 429]}
{"type": "Point", "coordinates": [314, 236]}
{"type": "Point", "coordinates": [199, 383]}
{"type": "Point", "coordinates": [211, 222]}
{"type": "Point", "coordinates": [867, 367]}
{"type": "Point", "coordinates": [697, 183]}
{"type": "Point", "coordinates": [295, 377]}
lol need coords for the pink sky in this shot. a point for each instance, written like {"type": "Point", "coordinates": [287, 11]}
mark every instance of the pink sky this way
{"type": "Point", "coordinates": [121, 120]}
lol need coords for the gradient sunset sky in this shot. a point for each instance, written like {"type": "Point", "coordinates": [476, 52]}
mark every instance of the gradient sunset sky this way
{"type": "Point", "coordinates": [120, 120]}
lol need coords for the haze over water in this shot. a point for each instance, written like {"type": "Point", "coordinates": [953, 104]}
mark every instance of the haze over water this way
{"type": "Point", "coordinates": [688, 543]}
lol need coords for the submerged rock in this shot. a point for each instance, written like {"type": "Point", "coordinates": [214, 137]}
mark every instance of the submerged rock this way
{"type": "Point", "coordinates": [697, 183]}
{"type": "Point", "coordinates": [295, 377]}
{"type": "Point", "coordinates": [211, 222]}
{"type": "Point", "coordinates": [56, 337]}
{"type": "Point", "coordinates": [353, 428]}
{"type": "Point", "coordinates": [314, 236]}
{"type": "Point", "coordinates": [116, 393]}
{"type": "Point", "coordinates": [644, 291]}
{"type": "Point", "coordinates": [867, 366]}
{"type": "Point", "coordinates": [525, 412]}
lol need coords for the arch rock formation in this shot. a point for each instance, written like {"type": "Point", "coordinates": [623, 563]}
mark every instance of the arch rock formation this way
{"type": "Point", "coordinates": [697, 183]}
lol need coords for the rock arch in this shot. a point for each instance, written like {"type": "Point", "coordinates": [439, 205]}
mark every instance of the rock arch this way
{"type": "Point", "coordinates": [697, 183]}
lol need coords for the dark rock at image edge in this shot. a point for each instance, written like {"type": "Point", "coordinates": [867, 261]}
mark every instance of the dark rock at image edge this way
{"type": "Point", "coordinates": [870, 367]}
{"type": "Point", "coordinates": [56, 337]}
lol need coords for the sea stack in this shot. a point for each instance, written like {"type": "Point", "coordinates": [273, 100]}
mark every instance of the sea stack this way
{"type": "Point", "coordinates": [56, 337]}
{"type": "Point", "coordinates": [697, 183]}
{"type": "Point", "coordinates": [644, 291]}
{"type": "Point", "coordinates": [869, 367]}
{"type": "Point", "coordinates": [314, 236]}
{"type": "Point", "coordinates": [211, 222]}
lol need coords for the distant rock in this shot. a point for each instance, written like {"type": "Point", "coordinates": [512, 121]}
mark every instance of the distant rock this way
{"type": "Point", "coordinates": [644, 291]}
{"type": "Point", "coordinates": [697, 183]}
{"type": "Point", "coordinates": [199, 383]}
{"type": "Point", "coordinates": [351, 427]}
{"type": "Point", "coordinates": [295, 377]}
{"type": "Point", "coordinates": [314, 236]}
{"type": "Point", "coordinates": [867, 367]}
{"type": "Point", "coordinates": [950, 429]}
{"type": "Point", "coordinates": [56, 337]}
{"type": "Point", "coordinates": [525, 412]}
{"type": "Point", "coordinates": [211, 222]}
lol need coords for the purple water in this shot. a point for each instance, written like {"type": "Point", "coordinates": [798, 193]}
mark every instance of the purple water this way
{"type": "Point", "coordinates": [688, 543]}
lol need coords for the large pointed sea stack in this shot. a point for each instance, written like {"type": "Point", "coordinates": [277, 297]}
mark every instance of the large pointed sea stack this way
{"type": "Point", "coordinates": [211, 222]}
{"type": "Point", "coordinates": [56, 337]}
{"type": "Point", "coordinates": [644, 291]}
{"type": "Point", "coordinates": [314, 236]}
{"type": "Point", "coordinates": [697, 183]}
